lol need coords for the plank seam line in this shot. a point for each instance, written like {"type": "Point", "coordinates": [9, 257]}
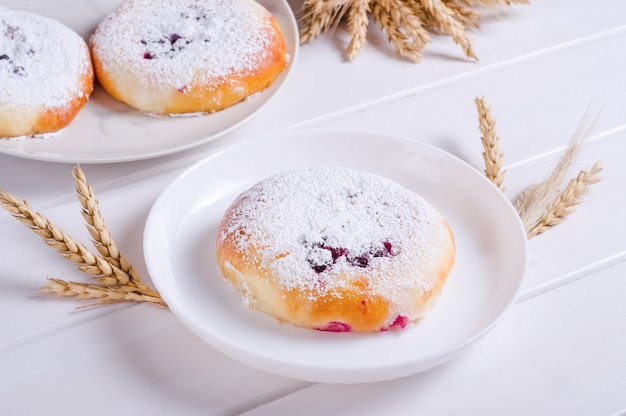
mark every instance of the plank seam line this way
{"type": "Point", "coordinates": [558, 150]}
{"type": "Point", "coordinates": [573, 276]}
{"type": "Point", "coordinates": [51, 330]}
{"type": "Point", "coordinates": [453, 79]}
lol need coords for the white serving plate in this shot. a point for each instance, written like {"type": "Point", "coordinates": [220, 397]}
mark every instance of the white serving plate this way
{"type": "Point", "coordinates": [179, 248]}
{"type": "Point", "coordinates": [107, 131]}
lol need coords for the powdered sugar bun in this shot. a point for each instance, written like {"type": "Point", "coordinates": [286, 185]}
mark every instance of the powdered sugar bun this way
{"type": "Point", "coordinates": [336, 249]}
{"type": "Point", "coordinates": [187, 56]}
{"type": "Point", "coordinates": [46, 75]}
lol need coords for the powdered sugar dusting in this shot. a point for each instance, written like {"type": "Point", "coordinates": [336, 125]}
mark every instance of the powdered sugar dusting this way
{"type": "Point", "coordinates": [169, 41]}
{"type": "Point", "coordinates": [40, 60]}
{"type": "Point", "coordinates": [312, 225]}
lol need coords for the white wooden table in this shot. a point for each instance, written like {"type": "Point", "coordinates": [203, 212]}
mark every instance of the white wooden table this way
{"type": "Point", "coordinates": [560, 350]}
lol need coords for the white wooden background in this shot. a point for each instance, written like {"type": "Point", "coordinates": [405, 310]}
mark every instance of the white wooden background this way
{"type": "Point", "coordinates": [561, 350]}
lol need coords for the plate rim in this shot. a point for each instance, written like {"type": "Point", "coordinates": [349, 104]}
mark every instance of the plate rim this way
{"type": "Point", "coordinates": [435, 358]}
{"type": "Point", "coordinates": [46, 156]}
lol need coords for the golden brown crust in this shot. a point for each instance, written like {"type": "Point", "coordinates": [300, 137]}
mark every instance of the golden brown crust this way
{"type": "Point", "coordinates": [200, 97]}
{"type": "Point", "coordinates": [429, 298]}
{"type": "Point", "coordinates": [57, 118]}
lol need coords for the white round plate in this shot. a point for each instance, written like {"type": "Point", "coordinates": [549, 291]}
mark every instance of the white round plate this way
{"type": "Point", "coordinates": [107, 131]}
{"type": "Point", "coordinates": [179, 248]}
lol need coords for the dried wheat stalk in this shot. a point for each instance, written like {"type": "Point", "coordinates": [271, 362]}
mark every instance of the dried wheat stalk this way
{"type": "Point", "coordinates": [468, 17]}
{"type": "Point", "coordinates": [118, 280]}
{"type": "Point", "coordinates": [536, 202]}
{"type": "Point", "coordinates": [406, 23]}
{"type": "Point", "coordinates": [102, 294]}
{"type": "Point", "coordinates": [101, 237]}
{"type": "Point", "coordinates": [357, 25]}
{"type": "Point", "coordinates": [320, 16]}
{"type": "Point", "coordinates": [402, 26]}
{"type": "Point", "coordinates": [65, 245]}
{"type": "Point", "coordinates": [541, 205]}
{"type": "Point", "coordinates": [449, 24]}
{"type": "Point", "coordinates": [568, 199]}
{"type": "Point", "coordinates": [492, 155]}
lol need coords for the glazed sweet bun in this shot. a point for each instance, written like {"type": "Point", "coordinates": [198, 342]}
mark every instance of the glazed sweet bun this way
{"type": "Point", "coordinates": [46, 76]}
{"type": "Point", "coordinates": [336, 249]}
{"type": "Point", "coordinates": [187, 56]}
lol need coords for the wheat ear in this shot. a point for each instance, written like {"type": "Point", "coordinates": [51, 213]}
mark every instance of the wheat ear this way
{"type": "Point", "coordinates": [65, 245]}
{"type": "Point", "coordinates": [492, 155]}
{"type": "Point", "coordinates": [464, 14]}
{"type": "Point", "coordinates": [319, 16]}
{"type": "Point", "coordinates": [357, 25]}
{"type": "Point", "coordinates": [448, 23]}
{"type": "Point", "coordinates": [402, 26]}
{"type": "Point", "coordinates": [568, 199]}
{"type": "Point", "coordinates": [535, 202]}
{"type": "Point", "coordinates": [101, 237]}
{"type": "Point", "coordinates": [407, 13]}
{"type": "Point", "coordinates": [118, 280]}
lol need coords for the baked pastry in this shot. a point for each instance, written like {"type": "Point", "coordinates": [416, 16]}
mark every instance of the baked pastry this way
{"type": "Point", "coordinates": [46, 76]}
{"type": "Point", "coordinates": [336, 249]}
{"type": "Point", "coordinates": [187, 56]}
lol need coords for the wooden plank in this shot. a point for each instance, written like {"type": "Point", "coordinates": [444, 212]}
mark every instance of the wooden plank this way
{"type": "Point", "coordinates": [139, 360]}
{"type": "Point", "coordinates": [525, 35]}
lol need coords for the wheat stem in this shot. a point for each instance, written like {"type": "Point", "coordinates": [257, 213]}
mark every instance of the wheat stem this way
{"type": "Point", "coordinates": [103, 294]}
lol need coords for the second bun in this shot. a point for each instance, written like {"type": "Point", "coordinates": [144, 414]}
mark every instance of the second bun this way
{"type": "Point", "coordinates": [187, 56]}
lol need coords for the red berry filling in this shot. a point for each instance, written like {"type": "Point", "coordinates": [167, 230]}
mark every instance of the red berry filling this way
{"type": "Point", "coordinates": [321, 261]}
{"type": "Point", "coordinates": [335, 327]}
{"type": "Point", "coordinates": [164, 47]}
{"type": "Point", "coordinates": [169, 44]}
{"type": "Point", "coordinates": [401, 322]}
